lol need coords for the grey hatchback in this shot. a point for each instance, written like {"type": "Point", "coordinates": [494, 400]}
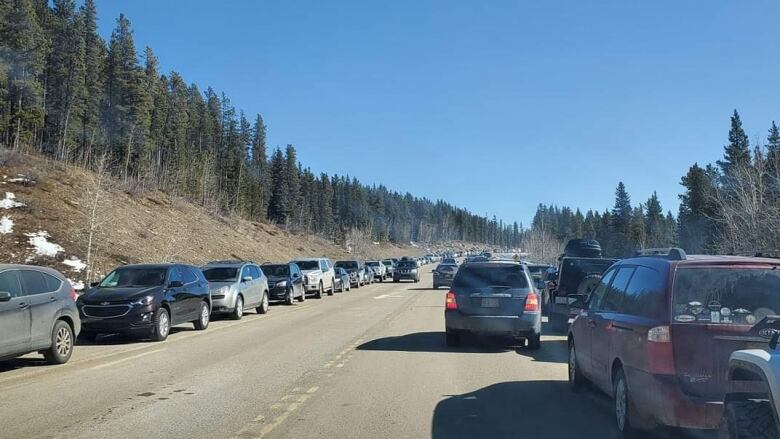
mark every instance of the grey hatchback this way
{"type": "Point", "coordinates": [37, 313]}
{"type": "Point", "coordinates": [236, 286]}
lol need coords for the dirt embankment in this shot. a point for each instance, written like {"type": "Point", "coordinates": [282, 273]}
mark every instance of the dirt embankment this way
{"type": "Point", "coordinates": [47, 211]}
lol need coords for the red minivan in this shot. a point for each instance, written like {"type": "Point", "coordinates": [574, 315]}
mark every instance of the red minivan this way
{"type": "Point", "coordinates": [657, 332]}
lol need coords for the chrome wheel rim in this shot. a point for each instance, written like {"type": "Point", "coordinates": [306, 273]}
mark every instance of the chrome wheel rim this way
{"type": "Point", "coordinates": [63, 341]}
{"type": "Point", "coordinates": [204, 314]}
{"type": "Point", "coordinates": [572, 365]}
{"type": "Point", "coordinates": [265, 302]}
{"type": "Point", "coordinates": [240, 307]}
{"type": "Point", "coordinates": [621, 404]}
{"type": "Point", "coordinates": [162, 326]}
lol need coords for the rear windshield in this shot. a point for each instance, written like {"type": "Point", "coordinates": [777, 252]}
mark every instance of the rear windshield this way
{"type": "Point", "coordinates": [407, 264]}
{"type": "Point", "coordinates": [308, 265]}
{"type": "Point", "coordinates": [373, 263]}
{"type": "Point", "coordinates": [348, 265]}
{"type": "Point", "coordinates": [388, 262]}
{"type": "Point", "coordinates": [447, 267]}
{"type": "Point", "coordinates": [477, 276]}
{"type": "Point", "coordinates": [726, 295]}
{"type": "Point", "coordinates": [221, 274]}
{"type": "Point", "coordinates": [449, 261]}
{"type": "Point", "coordinates": [276, 270]}
{"type": "Point", "coordinates": [573, 271]}
{"type": "Point", "coordinates": [134, 277]}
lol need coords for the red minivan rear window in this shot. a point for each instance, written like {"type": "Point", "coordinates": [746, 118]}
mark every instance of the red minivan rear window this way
{"type": "Point", "coordinates": [727, 295]}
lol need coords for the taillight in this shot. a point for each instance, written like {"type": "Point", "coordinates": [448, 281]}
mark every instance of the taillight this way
{"type": "Point", "coordinates": [660, 352]}
{"type": "Point", "coordinates": [73, 294]}
{"type": "Point", "coordinates": [531, 302]}
{"type": "Point", "coordinates": [449, 302]}
{"type": "Point", "coordinates": [659, 334]}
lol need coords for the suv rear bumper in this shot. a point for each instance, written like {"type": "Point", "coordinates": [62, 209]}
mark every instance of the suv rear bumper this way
{"type": "Point", "coordinates": [667, 405]}
{"type": "Point", "coordinates": [517, 326]}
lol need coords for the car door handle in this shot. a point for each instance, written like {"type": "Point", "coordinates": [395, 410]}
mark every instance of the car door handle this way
{"type": "Point", "coordinates": [52, 299]}
{"type": "Point", "coordinates": [23, 305]}
{"type": "Point", "coordinates": [591, 323]}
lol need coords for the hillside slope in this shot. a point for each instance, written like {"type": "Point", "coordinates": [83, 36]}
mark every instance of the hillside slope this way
{"type": "Point", "coordinates": [45, 219]}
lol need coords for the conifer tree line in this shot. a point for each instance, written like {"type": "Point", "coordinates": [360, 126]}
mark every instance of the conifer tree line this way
{"type": "Point", "coordinates": [730, 207]}
{"type": "Point", "coordinates": [67, 93]}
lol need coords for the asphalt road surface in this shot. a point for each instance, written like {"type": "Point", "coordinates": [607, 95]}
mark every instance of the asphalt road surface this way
{"type": "Point", "coordinates": [369, 363]}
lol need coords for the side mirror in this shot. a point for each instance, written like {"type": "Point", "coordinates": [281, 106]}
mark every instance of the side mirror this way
{"type": "Point", "coordinates": [175, 284]}
{"type": "Point", "coordinates": [247, 279]}
{"type": "Point", "coordinates": [580, 301]}
{"type": "Point", "coordinates": [94, 284]}
{"type": "Point", "coordinates": [5, 296]}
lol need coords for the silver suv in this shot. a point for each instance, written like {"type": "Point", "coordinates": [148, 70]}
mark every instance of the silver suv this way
{"type": "Point", "coordinates": [318, 276]}
{"type": "Point", "coordinates": [236, 286]}
{"type": "Point", "coordinates": [37, 313]}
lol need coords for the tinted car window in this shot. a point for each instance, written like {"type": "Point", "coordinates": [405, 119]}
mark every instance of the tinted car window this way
{"type": "Point", "coordinates": [598, 293]}
{"type": "Point", "coordinates": [348, 265]}
{"type": "Point", "coordinates": [33, 282]}
{"type": "Point", "coordinates": [476, 276]}
{"type": "Point", "coordinates": [9, 282]}
{"type": "Point", "coordinates": [221, 274]}
{"type": "Point", "coordinates": [407, 264]}
{"type": "Point", "coordinates": [189, 276]}
{"type": "Point", "coordinates": [308, 265]}
{"type": "Point", "coordinates": [175, 275]}
{"type": "Point", "coordinates": [750, 294]}
{"type": "Point", "coordinates": [245, 272]}
{"type": "Point", "coordinates": [615, 292]}
{"type": "Point", "coordinates": [645, 294]}
{"type": "Point", "coordinates": [276, 270]}
{"type": "Point", "coordinates": [135, 277]}
{"type": "Point", "coordinates": [254, 271]}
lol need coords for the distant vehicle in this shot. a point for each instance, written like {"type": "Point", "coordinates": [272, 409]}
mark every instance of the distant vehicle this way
{"type": "Point", "coordinates": [493, 298]}
{"type": "Point", "coordinates": [539, 276]}
{"type": "Point", "coordinates": [145, 300]}
{"type": "Point", "coordinates": [380, 271]}
{"type": "Point", "coordinates": [356, 270]}
{"type": "Point", "coordinates": [407, 269]}
{"type": "Point", "coordinates": [669, 322]}
{"type": "Point", "coordinates": [318, 276]}
{"type": "Point", "coordinates": [389, 266]}
{"type": "Point", "coordinates": [342, 280]}
{"type": "Point", "coordinates": [444, 274]}
{"type": "Point", "coordinates": [236, 286]}
{"type": "Point", "coordinates": [37, 313]}
{"type": "Point", "coordinates": [450, 261]}
{"type": "Point", "coordinates": [285, 282]}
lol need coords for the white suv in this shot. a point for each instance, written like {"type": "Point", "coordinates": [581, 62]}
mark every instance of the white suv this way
{"type": "Point", "coordinates": [318, 276]}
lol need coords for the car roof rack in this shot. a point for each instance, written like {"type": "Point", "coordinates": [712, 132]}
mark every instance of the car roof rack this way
{"type": "Point", "coordinates": [671, 253]}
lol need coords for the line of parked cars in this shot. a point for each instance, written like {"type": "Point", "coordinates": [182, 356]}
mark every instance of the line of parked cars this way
{"type": "Point", "coordinates": [40, 310]}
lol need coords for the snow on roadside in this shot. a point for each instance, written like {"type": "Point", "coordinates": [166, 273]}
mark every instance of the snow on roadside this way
{"type": "Point", "coordinates": [75, 263]}
{"type": "Point", "coordinates": [8, 202]}
{"type": "Point", "coordinates": [6, 225]}
{"type": "Point", "coordinates": [77, 285]}
{"type": "Point", "coordinates": [40, 243]}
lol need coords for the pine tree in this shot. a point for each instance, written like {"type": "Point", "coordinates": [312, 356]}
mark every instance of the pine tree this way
{"type": "Point", "coordinates": [620, 226]}
{"type": "Point", "coordinates": [697, 209]}
{"type": "Point", "coordinates": [772, 175]}
{"type": "Point", "coordinates": [737, 152]}
{"type": "Point", "coordinates": [95, 54]}
{"type": "Point", "coordinates": [654, 222]}
{"type": "Point", "coordinates": [279, 207]}
{"type": "Point", "coordinates": [261, 169]}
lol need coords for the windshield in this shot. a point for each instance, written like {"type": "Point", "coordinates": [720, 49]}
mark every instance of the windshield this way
{"type": "Point", "coordinates": [448, 261]}
{"type": "Point", "coordinates": [407, 264]}
{"type": "Point", "coordinates": [347, 265]}
{"type": "Point", "coordinates": [135, 277]}
{"type": "Point", "coordinates": [726, 295]}
{"type": "Point", "coordinates": [221, 274]}
{"type": "Point", "coordinates": [281, 270]}
{"type": "Point", "coordinates": [388, 263]}
{"type": "Point", "coordinates": [372, 263]}
{"type": "Point", "coordinates": [308, 265]}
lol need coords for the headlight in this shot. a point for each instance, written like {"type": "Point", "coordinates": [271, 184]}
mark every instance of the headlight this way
{"type": "Point", "coordinates": [144, 301]}
{"type": "Point", "coordinates": [282, 283]}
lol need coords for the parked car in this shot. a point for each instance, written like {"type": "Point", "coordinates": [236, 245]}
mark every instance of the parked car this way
{"type": "Point", "coordinates": [407, 269]}
{"type": "Point", "coordinates": [356, 270]}
{"type": "Point", "coordinates": [379, 269]}
{"type": "Point", "coordinates": [493, 298]}
{"type": "Point", "coordinates": [389, 266]}
{"type": "Point", "coordinates": [318, 276]}
{"type": "Point", "coordinates": [236, 286]}
{"type": "Point", "coordinates": [37, 313]}
{"type": "Point", "coordinates": [145, 301]}
{"type": "Point", "coordinates": [669, 322]}
{"type": "Point", "coordinates": [342, 280]}
{"type": "Point", "coordinates": [443, 275]}
{"type": "Point", "coordinates": [285, 282]}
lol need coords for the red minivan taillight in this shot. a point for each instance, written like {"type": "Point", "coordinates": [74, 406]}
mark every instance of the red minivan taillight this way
{"type": "Point", "coordinates": [449, 302]}
{"type": "Point", "coordinates": [73, 295]}
{"type": "Point", "coordinates": [531, 302]}
{"type": "Point", "coordinates": [660, 353]}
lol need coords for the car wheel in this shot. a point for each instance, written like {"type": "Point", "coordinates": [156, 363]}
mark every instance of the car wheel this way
{"type": "Point", "coordinates": [396, 280]}
{"type": "Point", "coordinates": [302, 297]}
{"type": "Point", "coordinates": [623, 411]}
{"type": "Point", "coordinates": [576, 380]}
{"type": "Point", "coordinates": [452, 338]}
{"type": "Point", "coordinates": [61, 344]}
{"type": "Point", "coordinates": [747, 419]}
{"type": "Point", "coordinates": [534, 342]}
{"type": "Point", "coordinates": [357, 285]}
{"type": "Point", "coordinates": [288, 300]}
{"type": "Point", "coordinates": [332, 287]}
{"type": "Point", "coordinates": [263, 308]}
{"type": "Point", "coordinates": [435, 286]}
{"type": "Point", "coordinates": [162, 325]}
{"type": "Point", "coordinates": [381, 279]}
{"type": "Point", "coordinates": [202, 322]}
{"type": "Point", "coordinates": [238, 311]}
{"type": "Point", "coordinates": [320, 291]}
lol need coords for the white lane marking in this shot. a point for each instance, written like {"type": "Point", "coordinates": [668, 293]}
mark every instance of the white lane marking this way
{"type": "Point", "coordinates": [122, 360]}
{"type": "Point", "coordinates": [381, 296]}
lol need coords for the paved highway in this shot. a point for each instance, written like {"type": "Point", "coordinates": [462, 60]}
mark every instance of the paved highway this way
{"type": "Point", "coordinates": [369, 363]}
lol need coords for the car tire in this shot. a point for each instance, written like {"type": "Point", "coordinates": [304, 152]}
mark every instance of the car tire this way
{"type": "Point", "coordinates": [621, 397]}
{"type": "Point", "coordinates": [61, 344]}
{"type": "Point", "coordinates": [263, 308]}
{"type": "Point", "coordinates": [576, 379]}
{"type": "Point", "coordinates": [320, 292]}
{"type": "Point", "coordinates": [288, 299]}
{"type": "Point", "coordinates": [238, 311]}
{"type": "Point", "coordinates": [162, 325]}
{"type": "Point", "coordinates": [534, 342]}
{"type": "Point", "coordinates": [559, 322]}
{"type": "Point", "coordinates": [452, 338]}
{"type": "Point", "coordinates": [747, 419]}
{"type": "Point", "coordinates": [435, 286]}
{"type": "Point", "coordinates": [395, 281]}
{"type": "Point", "coordinates": [349, 286]}
{"type": "Point", "coordinates": [332, 287]}
{"type": "Point", "coordinates": [302, 298]}
{"type": "Point", "coordinates": [202, 322]}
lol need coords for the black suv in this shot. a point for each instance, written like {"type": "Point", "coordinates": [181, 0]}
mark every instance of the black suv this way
{"type": "Point", "coordinates": [579, 271]}
{"type": "Point", "coordinates": [145, 301]}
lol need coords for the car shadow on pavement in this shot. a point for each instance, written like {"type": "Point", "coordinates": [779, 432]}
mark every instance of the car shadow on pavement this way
{"type": "Point", "coordinates": [522, 409]}
{"type": "Point", "coordinates": [434, 342]}
{"type": "Point", "coordinates": [552, 351]}
{"type": "Point", "coordinates": [21, 363]}
{"type": "Point", "coordinates": [427, 289]}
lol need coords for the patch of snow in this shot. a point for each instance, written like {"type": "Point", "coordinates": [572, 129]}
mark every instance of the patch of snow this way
{"type": "Point", "coordinates": [40, 243]}
{"type": "Point", "coordinates": [376, 242]}
{"type": "Point", "coordinates": [6, 225]}
{"type": "Point", "coordinates": [75, 263]}
{"type": "Point", "coordinates": [8, 202]}
{"type": "Point", "coordinates": [77, 285]}
{"type": "Point", "coordinates": [413, 244]}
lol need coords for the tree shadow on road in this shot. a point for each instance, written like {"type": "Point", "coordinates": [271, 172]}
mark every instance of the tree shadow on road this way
{"type": "Point", "coordinates": [434, 342]}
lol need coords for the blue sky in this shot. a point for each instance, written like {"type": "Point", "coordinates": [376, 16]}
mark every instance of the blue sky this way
{"type": "Point", "coordinates": [495, 105]}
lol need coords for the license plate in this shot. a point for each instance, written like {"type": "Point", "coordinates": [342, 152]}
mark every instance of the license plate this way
{"type": "Point", "coordinates": [489, 303]}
